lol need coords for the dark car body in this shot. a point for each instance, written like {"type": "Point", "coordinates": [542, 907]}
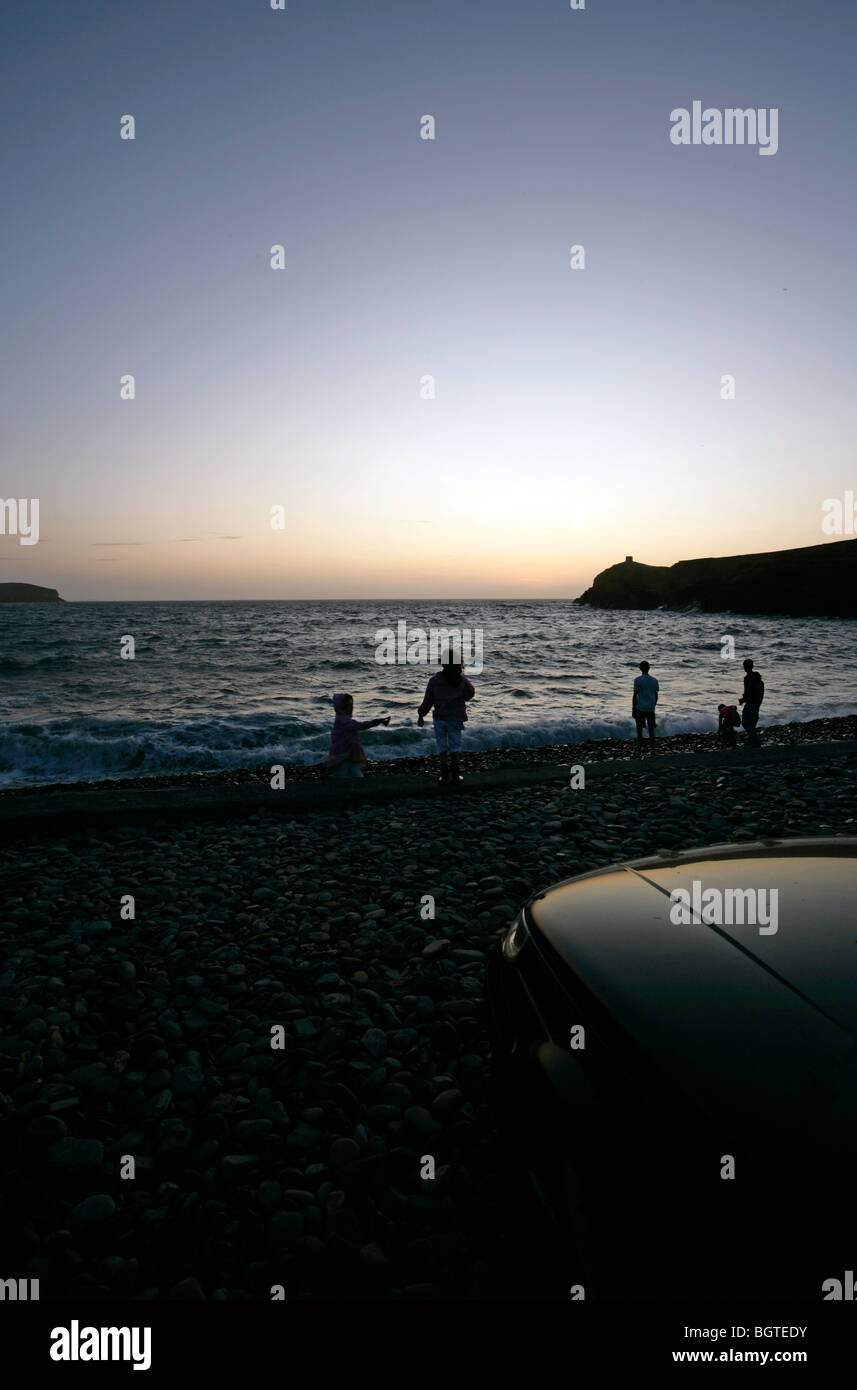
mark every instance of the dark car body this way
{"type": "Point", "coordinates": [701, 1044]}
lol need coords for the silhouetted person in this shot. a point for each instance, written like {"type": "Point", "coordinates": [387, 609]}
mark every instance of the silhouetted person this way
{"type": "Point", "coordinates": [448, 691]}
{"type": "Point", "coordinates": [728, 720]}
{"type": "Point", "coordinates": [346, 758]}
{"type": "Point", "coordinates": [754, 693]}
{"type": "Point", "coordinates": [643, 707]}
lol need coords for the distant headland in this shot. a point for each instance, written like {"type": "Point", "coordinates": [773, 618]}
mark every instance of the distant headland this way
{"type": "Point", "coordinates": [28, 593]}
{"type": "Point", "coordinates": [816, 581]}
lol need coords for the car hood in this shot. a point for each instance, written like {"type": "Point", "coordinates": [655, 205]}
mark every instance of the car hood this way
{"type": "Point", "coordinates": [759, 1030]}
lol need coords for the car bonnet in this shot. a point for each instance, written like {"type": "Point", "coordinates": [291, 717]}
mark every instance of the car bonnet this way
{"type": "Point", "coordinates": [758, 1055]}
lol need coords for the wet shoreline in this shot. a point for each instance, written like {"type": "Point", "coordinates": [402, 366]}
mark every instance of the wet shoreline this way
{"type": "Point", "coordinates": [476, 760]}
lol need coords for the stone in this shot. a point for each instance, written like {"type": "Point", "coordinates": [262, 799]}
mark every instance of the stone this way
{"type": "Point", "coordinates": [374, 1258]}
{"type": "Point", "coordinates": [304, 1137]}
{"type": "Point", "coordinates": [76, 1155]}
{"type": "Point", "coordinates": [237, 1166]}
{"type": "Point", "coordinates": [375, 1042]}
{"type": "Point", "coordinates": [365, 1175]}
{"type": "Point", "coordinates": [418, 1119]}
{"type": "Point", "coordinates": [187, 1080]}
{"type": "Point", "coordinates": [343, 1151]}
{"type": "Point", "coordinates": [92, 1211]}
{"type": "Point", "coordinates": [285, 1227]}
{"type": "Point", "coordinates": [46, 1129]}
{"type": "Point", "coordinates": [445, 1105]}
{"type": "Point", "coordinates": [187, 1289]}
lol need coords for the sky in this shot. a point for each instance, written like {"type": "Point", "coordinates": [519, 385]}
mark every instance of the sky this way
{"type": "Point", "coordinates": [577, 414]}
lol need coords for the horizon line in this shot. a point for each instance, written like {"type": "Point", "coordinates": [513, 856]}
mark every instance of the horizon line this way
{"type": "Point", "coordinates": [398, 598]}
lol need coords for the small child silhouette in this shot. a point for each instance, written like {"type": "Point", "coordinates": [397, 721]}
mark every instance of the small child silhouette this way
{"type": "Point", "coordinates": [346, 758]}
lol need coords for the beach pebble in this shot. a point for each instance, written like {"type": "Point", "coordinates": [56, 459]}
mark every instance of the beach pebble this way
{"type": "Point", "coordinates": [238, 1166]}
{"type": "Point", "coordinates": [421, 1121]}
{"type": "Point", "coordinates": [304, 1137]}
{"type": "Point", "coordinates": [343, 1151]}
{"type": "Point", "coordinates": [285, 1227]}
{"type": "Point", "coordinates": [76, 1155]}
{"type": "Point", "coordinates": [365, 1175]}
{"type": "Point", "coordinates": [46, 1129]}
{"type": "Point", "coordinates": [270, 1194]}
{"type": "Point", "coordinates": [187, 1289]}
{"type": "Point", "coordinates": [93, 1211]}
{"type": "Point", "coordinates": [375, 1260]}
{"type": "Point", "coordinates": [375, 1042]}
{"type": "Point", "coordinates": [249, 1131]}
{"type": "Point", "coordinates": [445, 1105]}
{"type": "Point", "coordinates": [187, 1080]}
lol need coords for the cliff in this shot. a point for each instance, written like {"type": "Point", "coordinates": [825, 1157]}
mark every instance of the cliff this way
{"type": "Point", "coordinates": [814, 581]}
{"type": "Point", "coordinates": [27, 593]}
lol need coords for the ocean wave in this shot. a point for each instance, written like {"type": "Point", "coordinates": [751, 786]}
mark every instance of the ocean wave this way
{"type": "Point", "coordinates": [16, 665]}
{"type": "Point", "coordinates": [86, 748]}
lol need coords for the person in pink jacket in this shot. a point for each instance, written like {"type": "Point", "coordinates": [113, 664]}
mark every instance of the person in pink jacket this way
{"type": "Point", "coordinates": [346, 758]}
{"type": "Point", "coordinates": [447, 692]}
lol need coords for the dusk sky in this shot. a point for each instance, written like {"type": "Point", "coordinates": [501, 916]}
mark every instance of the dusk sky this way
{"type": "Point", "coordinates": [578, 413]}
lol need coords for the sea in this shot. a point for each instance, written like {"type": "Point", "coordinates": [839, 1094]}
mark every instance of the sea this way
{"type": "Point", "coordinates": [208, 686]}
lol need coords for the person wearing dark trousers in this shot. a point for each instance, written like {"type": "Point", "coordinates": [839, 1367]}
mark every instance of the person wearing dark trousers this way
{"type": "Point", "coordinates": [643, 707]}
{"type": "Point", "coordinates": [754, 693]}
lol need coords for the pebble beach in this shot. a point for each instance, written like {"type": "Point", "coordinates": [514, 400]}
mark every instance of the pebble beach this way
{"type": "Point", "coordinates": [299, 1166]}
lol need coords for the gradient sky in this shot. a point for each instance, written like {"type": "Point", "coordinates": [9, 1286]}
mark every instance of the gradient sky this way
{"type": "Point", "coordinates": [578, 415]}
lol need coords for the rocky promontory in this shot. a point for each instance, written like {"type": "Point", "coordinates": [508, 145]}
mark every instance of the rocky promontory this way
{"type": "Point", "coordinates": [28, 593]}
{"type": "Point", "coordinates": [813, 581]}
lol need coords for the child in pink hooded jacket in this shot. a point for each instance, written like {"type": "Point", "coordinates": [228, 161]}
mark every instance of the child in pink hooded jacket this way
{"type": "Point", "coordinates": [346, 758]}
{"type": "Point", "coordinates": [448, 692]}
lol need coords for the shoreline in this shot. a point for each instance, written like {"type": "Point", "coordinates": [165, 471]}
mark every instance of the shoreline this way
{"type": "Point", "coordinates": [840, 728]}
{"type": "Point", "coordinates": [77, 809]}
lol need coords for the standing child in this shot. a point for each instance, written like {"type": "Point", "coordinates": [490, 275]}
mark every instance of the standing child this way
{"type": "Point", "coordinates": [346, 758]}
{"type": "Point", "coordinates": [448, 691]}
